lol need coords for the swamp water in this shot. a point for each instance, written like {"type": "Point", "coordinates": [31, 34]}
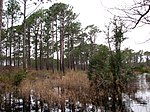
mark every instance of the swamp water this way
{"type": "Point", "coordinates": [138, 101]}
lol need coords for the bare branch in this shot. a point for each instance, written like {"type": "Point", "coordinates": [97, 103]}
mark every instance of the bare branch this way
{"type": "Point", "coordinates": [142, 16]}
{"type": "Point", "coordinates": [145, 41]}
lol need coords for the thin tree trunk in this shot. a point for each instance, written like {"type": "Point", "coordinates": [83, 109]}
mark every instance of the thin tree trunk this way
{"type": "Point", "coordinates": [24, 38]}
{"type": "Point", "coordinates": [10, 62]}
{"type": "Point", "coordinates": [6, 53]}
{"type": "Point", "coordinates": [10, 40]}
{"type": "Point", "coordinates": [9, 103]}
{"type": "Point", "coordinates": [36, 44]}
{"type": "Point", "coordinates": [19, 52]}
{"type": "Point", "coordinates": [29, 103]}
{"type": "Point", "coordinates": [62, 107]}
{"type": "Point", "coordinates": [62, 42]}
{"type": "Point", "coordinates": [41, 50]}
{"type": "Point", "coordinates": [76, 61]}
{"type": "Point", "coordinates": [29, 48]}
{"type": "Point", "coordinates": [7, 42]}
{"type": "Point", "coordinates": [57, 46]}
{"type": "Point", "coordinates": [41, 105]}
{"type": "Point", "coordinates": [14, 59]}
{"type": "Point", "coordinates": [114, 100]}
{"type": "Point", "coordinates": [52, 47]}
{"type": "Point", "coordinates": [1, 9]}
{"type": "Point", "coordinates": [47, 55]}
{"type": "Point", "coordinates": [86, 61]}
{"type": "Point", "coordinates": [36, 105]}
{"type": "Point", "coordinates": [14, 51]}
{"type": "Point", "coordinates": [68, 52]}
{"type": "Point", "coordinates": [24, 105]}
{"type": "Point", "coordinates": [73, 107]}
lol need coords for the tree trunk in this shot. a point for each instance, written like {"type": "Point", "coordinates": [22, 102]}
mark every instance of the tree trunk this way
{"type": "Point", "coordinates": [36, 105]}
{"type": "Point", "coordinates": [41, 50]}
{"type": "Point", "coordinates": [73, 107]}
{"type": "Point", "coordinates": [10, 40]}
{"type": "Point", "coordinates": [19, 52]}
{"type": "Point", "coordinates": [41, 105]}
{"type": "Point", "coordinates": [9, 103]}
{"type": "Point", "coordinates": [47, 56]}
{"type": "Point", "coordinates": [41, 53]}
{"type": "Point", "coordinates": [72, 54]}
{"type": "Point", "coordinates": [62, 42]}
{"type": "Point", "coordinates": [86, 61]}
{"type": "Point", "coordinates": [57, 46]}
{"type": "Point", "coordinates": [29, 103]}
{"type": "Point", "coordinates": [7, 42]}
{"type": "Point", "coordinates": [24, 38]}
{"type": "Point", "coordinates": [68, 63]}
{"type": "Point", "coordinates": [6, 53]}
{"type": "Point", "coordinates": [62, 107]}
{"type": "Point", "coordinates": [1, 9]}
{"type": "Point", "coordinates": [14, 51]}
{"type": "Point", "coordinates": [29, 48]}
{"type": "Point", "coordinates": [36, 44]}
{"type": "Point", "coordinates": [14, 59]}
{"type": "Point", "coordinates": [114, 100]}
{"type": "Point", "coordinates": [24, 105]}
{"type": "Point", "coordinates": [52, 47]}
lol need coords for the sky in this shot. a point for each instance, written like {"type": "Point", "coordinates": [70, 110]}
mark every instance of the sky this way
{"type": "Point", "coordinates": [96, 12]}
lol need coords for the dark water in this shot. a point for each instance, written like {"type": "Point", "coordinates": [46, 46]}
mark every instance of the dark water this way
{"type": "Point", "coordinates": [137, 101]}
{"type": "Point", "coordinates": [140, 100]}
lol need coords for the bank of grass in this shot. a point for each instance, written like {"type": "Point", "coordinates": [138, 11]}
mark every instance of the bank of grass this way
{"type": "Point", "coordinates": [46, 86]}
{"type": "Point", "coordinates": [141, 69]}
{"type": "Point", "coordinates": [53, 88]}
{"type": "Point", "coordinates": [56, 88]}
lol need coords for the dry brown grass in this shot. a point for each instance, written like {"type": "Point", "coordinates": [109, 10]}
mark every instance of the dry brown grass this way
{"type": "Point", "coordinates": [76, 86]}
{"type": "Point", "coordinates": [73, 86]}
{"type": "Point", "coordinates": [7, 78]}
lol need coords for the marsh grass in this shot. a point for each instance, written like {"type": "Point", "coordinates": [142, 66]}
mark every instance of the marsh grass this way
{"type": "Point", "coordinates": [44, 89]}
{"type": "Point", "coordinates": [55, 88]}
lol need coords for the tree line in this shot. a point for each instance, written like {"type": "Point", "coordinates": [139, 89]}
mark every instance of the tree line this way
{"type": "Point", "coordinates": [54, 38]}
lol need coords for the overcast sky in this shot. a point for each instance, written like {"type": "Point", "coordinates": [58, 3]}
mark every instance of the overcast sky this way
{"type": "Point", "coordinates": [95, 12]}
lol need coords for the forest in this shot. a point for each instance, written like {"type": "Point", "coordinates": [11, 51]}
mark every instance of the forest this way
{"type": "Point", "coordinates": [49, 62]}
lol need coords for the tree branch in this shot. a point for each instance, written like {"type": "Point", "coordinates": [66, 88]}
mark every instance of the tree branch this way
{"type": "Point", "coordinates": [142, 17]}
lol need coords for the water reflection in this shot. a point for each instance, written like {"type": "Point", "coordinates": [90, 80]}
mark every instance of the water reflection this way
{"type": "Point", "coordinates": [140, 101]}
{"type": "Point", "coordinates": [137, 99]}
